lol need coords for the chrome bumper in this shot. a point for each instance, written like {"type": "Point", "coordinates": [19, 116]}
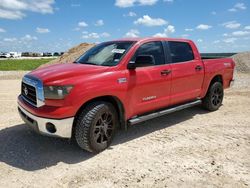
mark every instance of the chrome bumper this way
{"type": "Point", "coordinates": [63, 127]}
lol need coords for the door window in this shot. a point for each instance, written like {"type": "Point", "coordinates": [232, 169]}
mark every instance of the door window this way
{"type": "Point", "coordinates": [152, 48]}
{"type": "Point", "coordinates": [180, 52]}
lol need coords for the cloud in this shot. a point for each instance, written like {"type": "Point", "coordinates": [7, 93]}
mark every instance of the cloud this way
{"type": "Point", "coordinates": [200, 40]}
{"type": "Point", "coordinates": [82, 24]}
{"type": "Point", "coordinates": [42, 30]}
{"type": "Point", "coordinates": [2, 30]}
{"type": "Point", "coordinates": [105, 34]}
{"type": "Point", "coordinates": [241, 6]}
{"type": "Point", "coordinates": [203, 27]}
{"type": "Point", "coordinates": [240, 33]}
{"type": "Point", "coordinates": [168, 1]}
{"type": "Point", "coordinates": [232, 10]}
{"type": "Point", "coordinates": [11, 14]}
{"type": "Point", "coordinates": [213, 13]}
{"type": "Point", "coordinates": [14, 9]}
{"type": "Point", "coordinates": [91, 36]}
{"type": "Point", "coordinates": [231, 25]}
{"type": "Point", "coordinates": [237, 7]}
{"type": "Point", "coordinates": [189, 29]}
{"type": "Point", "coordinates": [87, 35]}
{"type": "Point", "coordinates": [216, 41]}
{"type": "Point", "coordinates": [184, 35]}
{"type": "Point", "coordinates": [146, 20]}
{"type": "Point", "coordinates": [76, 29]}
{"type": "Point", "coordinates": [10, 39]}
{"type": "Point", "coordinates": [132, 33]}
{"type": "Point", "coordinates": [22, 40]}
{"type": "Point", "coordinates": [247, 27]}
{"type": "Point", "coordinates": [19, 45]}
{"type": "Point", "coordinates": [131, 3]}
{"type": "Point", "coordinates": [169, 30]}
{"type": "Point", "coordinates": [99, 23]}
{"type": "Point", "coordinates": [160, 35]}
{"type": "Point", "coordinates": [130, 14]}
{"type": "Point", "coordinates": [75, 5]}
{"type": "Point", "coordinates": [230, 40]}
{"type": "Point", "coordinates": [13, 4]}
{"type": "Point", "coordinates": [28, 38]}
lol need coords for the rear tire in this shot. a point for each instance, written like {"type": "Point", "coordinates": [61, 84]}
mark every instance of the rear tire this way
{"type": "Point", "coordinates": [214, 97]}
{"type": "Point", "coordinates": [95, 126]}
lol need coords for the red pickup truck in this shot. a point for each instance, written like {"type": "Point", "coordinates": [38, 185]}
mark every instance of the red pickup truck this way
{"type": "Point", "coordinates": [121, 83]}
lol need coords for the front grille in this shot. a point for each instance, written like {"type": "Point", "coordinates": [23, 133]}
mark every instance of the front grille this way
{"type": "Point", "coordinates": [29, 93]}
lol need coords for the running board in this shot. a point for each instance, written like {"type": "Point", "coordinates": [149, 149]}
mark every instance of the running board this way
{"type": "Point", "coordinates": [140, 119]}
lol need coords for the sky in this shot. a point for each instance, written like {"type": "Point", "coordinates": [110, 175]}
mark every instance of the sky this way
{"type": "Point", "coordinates": [57, 25]}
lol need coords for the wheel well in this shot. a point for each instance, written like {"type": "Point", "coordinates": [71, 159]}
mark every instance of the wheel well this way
{"type": "Point", "coordinates": [111, 99]}
{"type": "Point", "coordinates": [217, 78]}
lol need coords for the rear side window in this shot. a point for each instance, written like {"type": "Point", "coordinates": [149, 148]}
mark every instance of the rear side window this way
{"type": "Point", "coordinates": [180, 51]}
{"type": "Point", "coordinates": [152, 48]}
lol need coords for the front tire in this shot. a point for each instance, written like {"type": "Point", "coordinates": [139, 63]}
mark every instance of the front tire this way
{"type": "Point", "coordinates": [214, 97]}
{"type": "Point", "coordinates": [95, 126]}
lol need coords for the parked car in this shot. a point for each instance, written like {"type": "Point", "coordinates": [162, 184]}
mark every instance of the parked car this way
{"type": "Point", "coordinates": [5, 55]}
{"type": "Point", "coordinates": [27, 54]}
{"type": "Point", "coordinates": [47, 54]}
{"type": "Point", "coordinates": [121, 83]}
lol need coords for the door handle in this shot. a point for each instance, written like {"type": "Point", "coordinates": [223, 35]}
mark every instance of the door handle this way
{"type": "Point", "coordinates": [198, 68]}
{"type": "Point", "coordinates": [165, 72]}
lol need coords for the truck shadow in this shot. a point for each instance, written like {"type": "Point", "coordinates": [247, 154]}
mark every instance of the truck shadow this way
{"type": "Point", "coordinates": [22, 148]}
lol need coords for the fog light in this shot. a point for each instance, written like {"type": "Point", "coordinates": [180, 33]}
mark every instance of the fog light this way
{"type": "Point", "coordinates": [50, 127]}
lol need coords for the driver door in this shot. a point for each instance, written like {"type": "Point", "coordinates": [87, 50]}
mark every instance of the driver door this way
{"type": "Point", "coordinates": [149, 86]}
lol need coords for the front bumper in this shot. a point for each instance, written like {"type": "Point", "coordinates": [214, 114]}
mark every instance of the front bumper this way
{"type": "Point", "coordinates": [63, 127]}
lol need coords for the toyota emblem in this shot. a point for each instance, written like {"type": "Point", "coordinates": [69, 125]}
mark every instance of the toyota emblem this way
{"type": "Point", "coordinates": [26, 91]}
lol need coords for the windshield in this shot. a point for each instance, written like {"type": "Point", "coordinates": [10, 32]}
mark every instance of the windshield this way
{"type": "Point", "coordinates": [105, 54]}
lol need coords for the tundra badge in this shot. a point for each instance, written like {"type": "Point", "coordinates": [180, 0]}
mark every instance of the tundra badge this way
{"type": "Point", "coordinates": [122, 80]}
{"type": "Point", "coordinates": [149, 98]}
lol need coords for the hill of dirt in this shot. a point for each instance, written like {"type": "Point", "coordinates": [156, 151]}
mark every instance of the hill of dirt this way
{"type": "Point", "coordinates": [242, 61]}
{"type": "Point", "coordinates": [71, 55]}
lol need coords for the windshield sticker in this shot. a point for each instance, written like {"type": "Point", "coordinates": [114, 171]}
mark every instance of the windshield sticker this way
{"type": "Point", "coordinates": [118, 51]}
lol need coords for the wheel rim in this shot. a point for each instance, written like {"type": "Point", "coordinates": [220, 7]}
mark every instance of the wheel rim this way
{"type": "Point", "coordinates": [103, 128]}
{"type": "Point", "coordinates": [217, 96]}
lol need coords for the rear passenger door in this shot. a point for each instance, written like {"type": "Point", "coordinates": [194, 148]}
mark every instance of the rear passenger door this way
{"type": "Point", "coordinates": [187, 72]}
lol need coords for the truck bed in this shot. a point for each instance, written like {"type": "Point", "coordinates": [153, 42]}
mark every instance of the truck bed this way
{"type": "Point", "coordinates": [216, 55]}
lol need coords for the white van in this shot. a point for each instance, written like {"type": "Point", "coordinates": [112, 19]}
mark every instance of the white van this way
{"type": "Point", "coordinates": [15, 54]}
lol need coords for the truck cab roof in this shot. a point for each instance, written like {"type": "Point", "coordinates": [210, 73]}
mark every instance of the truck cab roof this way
{"type": "Point", "coordinates": [144, 39]}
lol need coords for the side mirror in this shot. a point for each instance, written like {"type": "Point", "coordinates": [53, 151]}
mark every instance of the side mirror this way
{"type": "Point", "coordinates": [142, 61]}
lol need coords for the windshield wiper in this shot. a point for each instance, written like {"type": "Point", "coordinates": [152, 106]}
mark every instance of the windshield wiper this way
{"type": "Point", "coordinates": [88, 63]}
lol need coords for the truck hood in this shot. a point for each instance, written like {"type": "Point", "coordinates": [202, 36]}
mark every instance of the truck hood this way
{"type": "Point", "coordinates": [67, 71]}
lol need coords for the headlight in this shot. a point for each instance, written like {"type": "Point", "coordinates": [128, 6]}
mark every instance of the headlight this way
{"type": "Point", "coordinates": [56, 92]}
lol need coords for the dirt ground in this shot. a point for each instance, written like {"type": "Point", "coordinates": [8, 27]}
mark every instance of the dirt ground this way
{"type": "Point", "coordinates": [190, 148]}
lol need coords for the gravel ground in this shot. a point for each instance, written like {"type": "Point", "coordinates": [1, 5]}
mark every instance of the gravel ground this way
{"type": "Point", "coordinates": [190, 148]}
{"type": "Point", "coordinates": [12, 75]}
